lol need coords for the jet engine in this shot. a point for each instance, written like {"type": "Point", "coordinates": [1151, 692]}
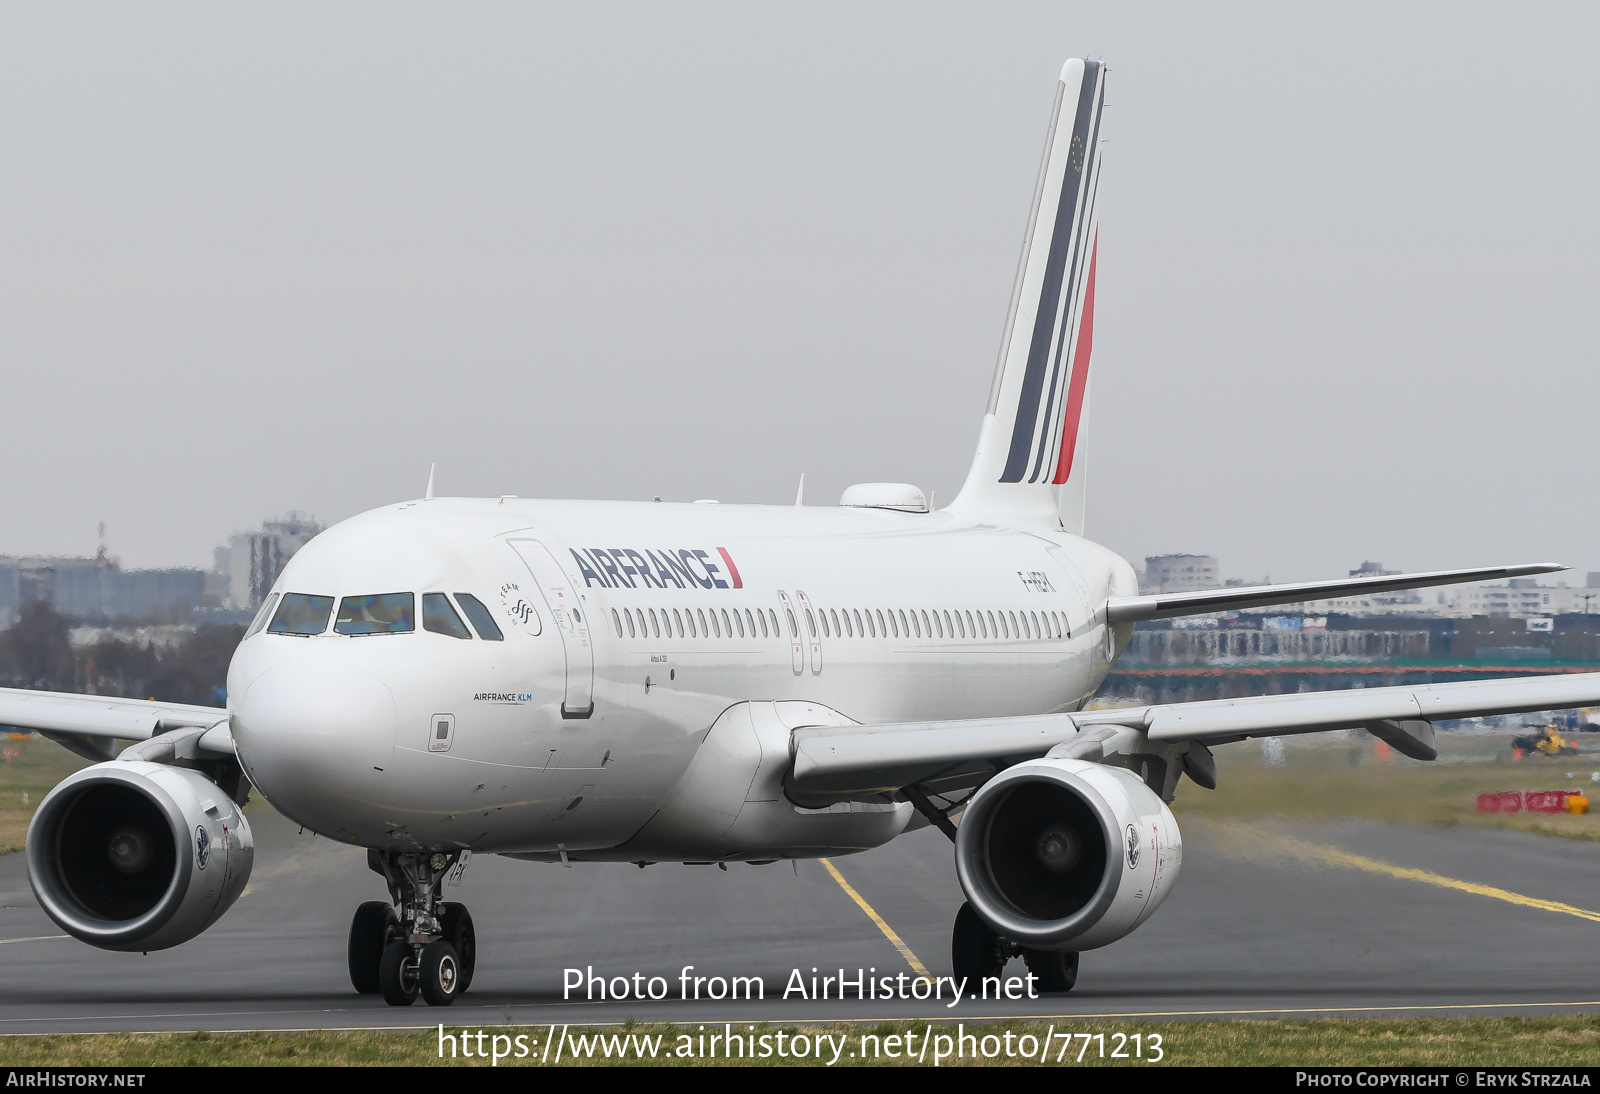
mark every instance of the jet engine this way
{"type": "Point", "coordinates": [1063, 854]}
{"type": "Point", "coordinates": [129, 855]}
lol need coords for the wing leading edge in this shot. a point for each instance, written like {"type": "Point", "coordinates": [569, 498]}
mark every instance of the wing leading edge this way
{"type": "Point", "coordinates": [87, 724]}
{"type": "Point", "coordinates": [839, 763]}
{"type": "Point", "coordinates": [1135, 609]}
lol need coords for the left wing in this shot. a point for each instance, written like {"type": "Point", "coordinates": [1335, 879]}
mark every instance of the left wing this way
{"type": "Point", "coordinates": [88, 724]}
{"type": "Point", "coordinates": [839, 763]}
{"type": "Point", "coordinates": [1135, 609]}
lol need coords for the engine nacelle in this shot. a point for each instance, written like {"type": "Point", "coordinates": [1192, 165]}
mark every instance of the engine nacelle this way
{"type": "Point", "coordinates": [1065, 854]}
{"type": "Point", "coordinates": [129, 855]}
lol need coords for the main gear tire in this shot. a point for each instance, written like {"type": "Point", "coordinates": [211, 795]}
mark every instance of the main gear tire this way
{"type": "Point", "coordinates": [1056, 971]}
{"type": "Point", "coordinates": [976, 951]}
{"type": "Point", "coordinates": [371, 930]}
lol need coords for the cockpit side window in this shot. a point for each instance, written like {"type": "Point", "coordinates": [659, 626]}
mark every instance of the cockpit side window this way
{"type": "Point", "coordinates": [263, 615]}
{"type": "Point", "coordinates": [376, 613]}
{"type": "Point", "coordinates": [302, 614]}
{"type": "Point", "coordinates": [481, 619]}
{"type": "Point", "coordinates": [440, 618]}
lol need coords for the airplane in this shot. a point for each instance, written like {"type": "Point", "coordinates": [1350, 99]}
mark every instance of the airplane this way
{"type": "Point", "coordinates": [652, 682]}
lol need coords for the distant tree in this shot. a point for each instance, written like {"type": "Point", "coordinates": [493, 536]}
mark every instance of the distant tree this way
{"type": "Point", "coordinates": [195, 670]}
{"type": "Point", "coordinates": [35, 652]}
{"type": "Point", "coordinates": [117, 666]}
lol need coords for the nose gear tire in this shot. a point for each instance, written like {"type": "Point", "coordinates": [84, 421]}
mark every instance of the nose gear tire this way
{"type": "Point", "coordinates": [439, 973]}
{"type": "Point", "coordinates": [397, 974]}
{"type": "Point", "coordinates": [455, 926]}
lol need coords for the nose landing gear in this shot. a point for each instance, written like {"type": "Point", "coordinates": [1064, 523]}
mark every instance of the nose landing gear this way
{"type": "Point", "coordinates": [421, 945]}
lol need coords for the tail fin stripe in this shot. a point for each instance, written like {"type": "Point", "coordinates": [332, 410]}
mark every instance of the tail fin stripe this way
{"type": "Point", "coordinates": [1080, 374]}
{"type": "Point", "coordinates": [1066, 324]}
{"type": "Point", "coordinates": [1044, 325]}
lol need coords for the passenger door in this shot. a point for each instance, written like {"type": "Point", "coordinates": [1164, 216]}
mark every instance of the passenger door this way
{"type": "Point", "coordinates": [791, 620]}
{"type": "Point", "coordinates": [809, 620]}
{"type": "Point", "coordinates": [570, 616]}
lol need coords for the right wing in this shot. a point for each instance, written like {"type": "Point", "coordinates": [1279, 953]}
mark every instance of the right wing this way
{"type": "Point", "coordinates": [840, 763]}
{"type": "Point", "coordinates": [88, 724]}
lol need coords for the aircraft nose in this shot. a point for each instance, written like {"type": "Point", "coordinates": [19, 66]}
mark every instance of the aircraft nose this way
{"type": "Point", "coordinates": [314, 737]}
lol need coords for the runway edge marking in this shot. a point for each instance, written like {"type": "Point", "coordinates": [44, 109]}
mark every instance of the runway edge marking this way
{"type": "Point", "coordinates": [888, 931]}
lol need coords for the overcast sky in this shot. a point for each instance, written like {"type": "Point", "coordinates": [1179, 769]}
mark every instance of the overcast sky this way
{"type": "Point", "coordinates": [285, 257]}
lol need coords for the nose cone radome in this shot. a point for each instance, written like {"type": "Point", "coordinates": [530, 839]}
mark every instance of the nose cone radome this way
{"type": "Point", "coordinates": [315, 737]}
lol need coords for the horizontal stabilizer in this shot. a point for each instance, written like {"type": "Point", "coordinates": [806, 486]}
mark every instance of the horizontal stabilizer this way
{"type": "Point", "coordinates": [1134, 609]}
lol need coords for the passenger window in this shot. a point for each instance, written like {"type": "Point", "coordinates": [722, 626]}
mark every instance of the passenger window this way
{"type": "Point", "coordinates": [655, 625]}
{"type": "Point", "coordinates": [823, 613]}
{"type": "Point", "coordinates": [302, 614]}
{"type": "Point", "coordinates": [938, 623]}
{"type": "Point", "coordinates": [440, 618]}
{"type": "Point", "coordinates": [905, 630]}
{"type": "Point", "coordinates": [727, 627]}
{"type": "Point", "coordinates": [482, 621]}
{"type": "Point", "coordinates": [893, 626]}
{"type": "Point", "coordinates": [794, 628]}
{"type": "Point", "coordinates": [263, 615]}
{"type": "Point", "coordinates": [626, 614]}
{"type": "Point", "coordinates": [811, 623]}
{"type": "Point", "coordinates": [763, 617]}
{"type": "Point", "coordinates": [860, 629]}
{"type": "Point", "coordinates": [872, 628]}
{"type": "Point", "coordinates": [376, 613]}
{"type": "Point", "coordinates": [738, 621]}
{"type": "Point", "coordinates": [927, 628]}
{"type": "Point", "coordinates": [677, 622]}
{"type": "Point", "coordinates": [1016, 631]}
{"type": "Point", "coordinates": [1038, 632]}
{"type": "Point", "coordinates": [774, 614]}
{"type": "Point", "coordinates": [688, 614]}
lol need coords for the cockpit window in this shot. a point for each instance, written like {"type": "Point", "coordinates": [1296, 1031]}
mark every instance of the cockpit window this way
{"type": "Point", "coordinates": [440, 618]}
{"type": "Point", "coordinates": [301, 613]}
{"type": "Point", "coordinates": [376, 613]}
{"type": "Point", "coordinates": [263, 615]}
{"type": "Point", "coordinates": [481, 619]}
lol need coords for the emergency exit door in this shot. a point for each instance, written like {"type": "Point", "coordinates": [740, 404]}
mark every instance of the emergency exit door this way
{"type": "Point", "coordinates": [571, 619]}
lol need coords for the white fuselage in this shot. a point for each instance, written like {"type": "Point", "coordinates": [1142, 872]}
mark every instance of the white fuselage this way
{"type": "Point", "coordinates": [629, 629]}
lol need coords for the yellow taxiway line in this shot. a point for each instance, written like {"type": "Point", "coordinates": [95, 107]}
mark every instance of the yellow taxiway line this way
{"type": "Point", "coordinates": [888, 931]}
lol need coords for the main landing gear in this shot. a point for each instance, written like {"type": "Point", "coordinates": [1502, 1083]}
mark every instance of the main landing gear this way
{"type": "Point", "coordinates": [427, 947]}
{"type": "Point", "coordinates": [978, 952]}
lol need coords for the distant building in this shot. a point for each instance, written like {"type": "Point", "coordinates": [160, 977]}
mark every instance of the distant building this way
{"type": "Point", "coordinates": [252, 561]}
{"type": "Point", "coordinates": [1180, 573]}
{"type": "Point", "coordinates": [1524, 596]}
{"type": "Point", "coordinates": [98, 589]}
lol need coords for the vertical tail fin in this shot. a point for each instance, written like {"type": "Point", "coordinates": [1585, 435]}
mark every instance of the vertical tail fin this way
{"type": "Point", "coordinates": [1030, 458]}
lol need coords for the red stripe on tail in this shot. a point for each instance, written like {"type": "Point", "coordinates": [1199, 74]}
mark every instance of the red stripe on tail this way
{"type": "Point", "coordinates": [1080, 376]}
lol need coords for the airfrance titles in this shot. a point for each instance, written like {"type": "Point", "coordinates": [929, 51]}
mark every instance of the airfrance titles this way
{"type": "Point", "coordinates": [656, 568]}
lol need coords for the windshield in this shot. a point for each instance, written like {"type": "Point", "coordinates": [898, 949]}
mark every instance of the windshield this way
{"type": "Point", "coordinates": [301, 613]}
{"type": "Point", "coordinates": [375, 613]}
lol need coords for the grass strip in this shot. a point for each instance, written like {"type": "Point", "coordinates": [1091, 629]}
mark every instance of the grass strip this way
{"type": "Point", "coordinates": [1452, 1042]}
